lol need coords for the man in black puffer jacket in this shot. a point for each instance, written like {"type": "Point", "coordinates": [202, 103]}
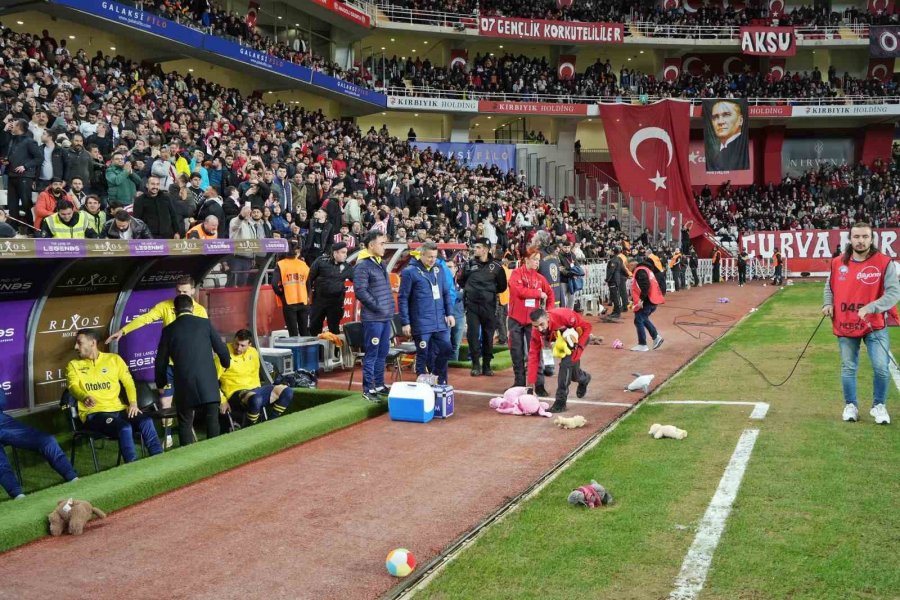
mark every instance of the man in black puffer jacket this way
{"type": "Point", "coordinates": [326, 281]}
{"type": "Point", "coordinates": [24, 158]}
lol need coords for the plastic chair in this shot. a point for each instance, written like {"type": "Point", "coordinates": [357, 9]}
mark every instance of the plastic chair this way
{"type": "Point", "coordinates": [353, 335]}
{"type": "Point", "coordinates": [68, 403]}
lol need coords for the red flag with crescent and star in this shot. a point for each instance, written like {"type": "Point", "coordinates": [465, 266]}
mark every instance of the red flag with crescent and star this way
{"type": "Point", "coordinates": [649, 147]}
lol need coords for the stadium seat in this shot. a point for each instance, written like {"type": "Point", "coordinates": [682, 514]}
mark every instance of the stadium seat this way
{"type": "Point", "coordinates": [353, 335]}
{"type": "Point", "coordinates": [68, 404]}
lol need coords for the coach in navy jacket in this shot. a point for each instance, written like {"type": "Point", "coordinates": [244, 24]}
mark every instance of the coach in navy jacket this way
{"type": "Point", "coordinates": [372, 286]}
{"type": "Point", "coordinates": [426, 310]}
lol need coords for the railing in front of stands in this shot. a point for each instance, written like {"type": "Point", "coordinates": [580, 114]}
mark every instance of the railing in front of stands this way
{"type": "Point", "coordinates": [633, 29]}
{"type": "Point", "coordinates": [429, 92]}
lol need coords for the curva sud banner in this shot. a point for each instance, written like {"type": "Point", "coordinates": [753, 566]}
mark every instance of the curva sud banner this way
{"type": "Point", "coordinates": [552, 31]}
{"type": "Point", "coordinates": [768, 41]}
{"type": "Point", "coordinates": [473, 155]}
{"type": "Point", "coordinates": [811, 250]}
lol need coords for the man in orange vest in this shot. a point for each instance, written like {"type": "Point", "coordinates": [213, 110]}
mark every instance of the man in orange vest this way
{"type": "Point", "coordinates": [291, 285]}
{"type": "Point", "coordinates": [778, 263]}
{"type": "Point", "coordinates": [862, 285]}
{"type": "Point", "coordinates": [208, 229]}
{"type": "Point", "coordinates": [645, 297]}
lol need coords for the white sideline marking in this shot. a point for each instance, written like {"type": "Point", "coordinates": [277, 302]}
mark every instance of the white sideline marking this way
{"type": "Point", "coordinates": [760, 409]}
{"type": "Point", "coordinates": [490, 395]}
{"type": "Point", "coordinates": [699, 556]}
{"type": "Point", "coordinates": [895, 372]}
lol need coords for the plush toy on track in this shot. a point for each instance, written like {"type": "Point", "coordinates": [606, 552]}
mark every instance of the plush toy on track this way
{"type": "Point", "coordinates": [72, 515]}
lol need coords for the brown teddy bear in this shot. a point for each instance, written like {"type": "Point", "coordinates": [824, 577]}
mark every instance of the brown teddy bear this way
{"type": "Point", "coordinates": [75, 513]}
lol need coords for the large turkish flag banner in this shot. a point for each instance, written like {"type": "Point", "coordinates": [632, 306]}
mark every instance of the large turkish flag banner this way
{"type": "Point", "coordinates": [649, 147]}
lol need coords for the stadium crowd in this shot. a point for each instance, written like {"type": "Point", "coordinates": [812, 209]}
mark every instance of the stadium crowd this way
{"type": "Point", "coordinates": [826, 198]}
{"type": "Point", "coordinates": [491, 76]}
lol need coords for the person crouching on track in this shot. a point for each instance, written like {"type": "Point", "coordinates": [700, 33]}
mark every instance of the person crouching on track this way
{"type": "Point", "coordinates": [545, 326]}
{"type": "Point", "coordinates": [241, 385]}
{"type": "Point", "coordinates": [645, 297]}
{"type": "Point", "coordinates": [427, 312]}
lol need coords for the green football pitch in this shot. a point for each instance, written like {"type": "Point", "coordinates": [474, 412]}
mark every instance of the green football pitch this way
{"type": "Point", "coordinates": [815, 515]}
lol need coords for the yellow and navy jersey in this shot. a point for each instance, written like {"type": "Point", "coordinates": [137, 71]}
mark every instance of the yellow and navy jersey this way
{"type": "Point", "coordinates": [165, 312]}
{"type": "Point", "coordinates": [243, 374]}
{"type": "Point", "coordinates": [102, 380]}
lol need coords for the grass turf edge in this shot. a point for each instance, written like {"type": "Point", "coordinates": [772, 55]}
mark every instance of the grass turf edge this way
{"type": "Point", "coordinates": [25, 520]}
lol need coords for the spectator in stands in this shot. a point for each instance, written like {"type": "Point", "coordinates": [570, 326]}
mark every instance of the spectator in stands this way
{"type": "Point", "coordinates": [48, 200]}
{"type": "Point", "coordinates": [94, 214]}
{"type": "Point", "coordinates": [291, 282]}
{"type": "Point", "coordinates": [190, 341]}
{"type": "Point", "coordinates": [122, 182]}
{"type": "Point", "coordinates": [67, 223]}
{"type": "Point", "coordinates": [6, 230]}
{"type": "Point", "coordinates": [207, 229]}
{"type": "Point", "coordinates": [23, 158]}
{"type": "Point", "coordinates": [19, 435]}
{"type": "Point", "coordinates": [96, 381]}
{"type": "Point", "coordinates": [327, 277]}
{"type": "Point", "coordinates": [320, 237]}
{"type": "Point", "coordinates": [372, 286]}
{"type": "Point", "coordinates": [241, 385]}
{"type": "Point", "coordinates": [125, 227]}
{"type": "Point", "coordinates": [53, 165]}
{"type": "Point", "coordinates": [156, 209]}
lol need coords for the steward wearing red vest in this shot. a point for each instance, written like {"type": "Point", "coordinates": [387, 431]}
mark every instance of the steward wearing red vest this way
{"type": "Point", "coordinates": [778, 263]}
{"type": "Point", "coordinates": [645, 297]}
{"type": "Point", "coordinates": [862, 285]}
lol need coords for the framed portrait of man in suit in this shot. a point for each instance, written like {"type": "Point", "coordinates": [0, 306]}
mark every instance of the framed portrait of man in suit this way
{"type": "Point", "coordinates": [726, 127]}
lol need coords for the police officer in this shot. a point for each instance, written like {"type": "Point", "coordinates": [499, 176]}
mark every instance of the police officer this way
{"type": "Point", "coordinates": [614, 270]}
{"type": "Point", "coordinates": [326, 280]}
{"type": "Point", "coordinates": [291, 285]}
{"type": "Point", "coordinates": [694, 263]}
{"type": "Point", "coordinates": [550, 269]}
{"type": "Point", "coordinates": [482, 279]}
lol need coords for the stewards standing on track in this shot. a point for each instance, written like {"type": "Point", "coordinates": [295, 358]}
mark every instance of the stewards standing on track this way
{"type": "Point", "coordinates": [482, 279]}
{"type": "Point", "coordinates": [426, 311]}
{"type": "Point", "coordinates": [326, 280]}
{"type": "Point", "coordinates": [291, 286]}
{"type": "Point", "coordinates": [372, 286]}
{"type": "Point", "coordinates": [190, 342]}
{"type": "Point", "coordinates": [778, 263]}
{"type": "Point", "coordinates": [645, 297]}
{"type": "Point", "coordinates": [528, 291]}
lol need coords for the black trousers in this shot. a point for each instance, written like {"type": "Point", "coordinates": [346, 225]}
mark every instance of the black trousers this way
{"type": "Point", "coordinates": [742, 275]}
{"type": "Point", "coordinates": [519, 339]}
{"type": "Point", "coordinates": [186, 421]}
{"type": "Point", "coordinates": [695, 276]}
{"type": "Point", "coordinates": [18, 199]}
{"type": "Point", "coordinates": [623, 293]}
{"type": "Point", "coordinates": [716, 273]}
{"type": "Point", "coordinates": [615, 298]}
{"type": "Point", "coordinates": [481, 322]}
{"type": "Point", "coordinates": [333, 310]}
{"type": "Point", "coordinates": [296, 318]}
{"type": "Point", "coordinates": [661, 280]}
{"type": "Point", "coordinates": [569, 371]}
{"type": "Point", "coordinates": [678, 274]}
{"type": "Point", "coordinates": [779, 275]}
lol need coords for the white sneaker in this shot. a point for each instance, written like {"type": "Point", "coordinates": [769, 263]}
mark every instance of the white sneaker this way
{"type": "Point", "coordinates": [169, 442]}
{"type": "Point", "coordinates": [640, 348]}
{"type": "Point", "coordinates": [851, 412]}
{"type": "Point", "coordinates": [880, 413]}
{"type": "Point", "coordinates": [658, 342]}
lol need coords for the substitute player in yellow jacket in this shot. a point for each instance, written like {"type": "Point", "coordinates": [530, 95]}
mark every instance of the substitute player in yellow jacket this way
{"type": "Point", "coordinates": [241, 385]}
{"type": "Point", "coordinates": [96, 379]}
{"type": "Point", "coordinates": [165, 312]}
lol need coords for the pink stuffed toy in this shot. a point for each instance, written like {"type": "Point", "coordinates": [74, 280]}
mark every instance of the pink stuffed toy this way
{"type": "Point", "coordinates": [516, 401]}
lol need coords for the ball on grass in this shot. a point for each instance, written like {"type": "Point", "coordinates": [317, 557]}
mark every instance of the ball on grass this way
{"type": "Point", "coordinates": [400, 562]}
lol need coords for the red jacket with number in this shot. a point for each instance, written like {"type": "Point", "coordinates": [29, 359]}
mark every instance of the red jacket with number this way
{"type": "Point", "coordinates": [855, 285]}
{"type": "Point", "coordinates": [560, 320]}
{"type": "Point", "coordinates": [525, 287]}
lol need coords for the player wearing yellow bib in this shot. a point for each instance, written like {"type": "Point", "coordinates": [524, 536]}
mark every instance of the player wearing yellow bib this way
{"type": "Point", "coordinates": [241, 385]}
{"type": "Point", "coordinates": [96, 379]}
{"type": "Point", "coordinates": [165, 312]}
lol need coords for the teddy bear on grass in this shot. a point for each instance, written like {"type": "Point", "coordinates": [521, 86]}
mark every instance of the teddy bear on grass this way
{"type": "Point", "coordinates": [72, 514]}
{"type": "Point", "coordinates": [669, 431]}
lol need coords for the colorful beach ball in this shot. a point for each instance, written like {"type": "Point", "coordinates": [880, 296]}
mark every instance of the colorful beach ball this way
{"type": "Point", "coordinates": [400, 562]}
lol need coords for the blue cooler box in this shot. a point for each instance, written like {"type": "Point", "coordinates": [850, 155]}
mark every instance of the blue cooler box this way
{"type": "Point", "coordinates": [443, 401]}
{"type": "Point", "coordinates": [304, 349]}
{"type": "Point", "coordinates": [411, 401]}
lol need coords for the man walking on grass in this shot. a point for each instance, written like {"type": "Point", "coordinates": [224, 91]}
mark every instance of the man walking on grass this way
{"type": "Point", "coordinates": [862, 286]}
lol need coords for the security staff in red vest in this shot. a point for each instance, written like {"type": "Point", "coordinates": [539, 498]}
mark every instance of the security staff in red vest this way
{"type": "Point", "coordinates": [645, 297]}
{"type": "Point", "coordinates": [291, 286]}
{"type": "Point", "coordinates": [862, 285]}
